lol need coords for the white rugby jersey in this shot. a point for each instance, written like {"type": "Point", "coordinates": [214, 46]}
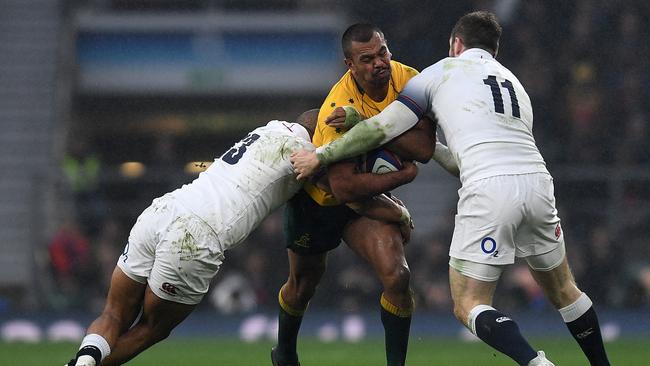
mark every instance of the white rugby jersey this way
{"type": "Point", "coordinates": [484, 112]}
{"type": "Point", "coordinates": [247, 182]}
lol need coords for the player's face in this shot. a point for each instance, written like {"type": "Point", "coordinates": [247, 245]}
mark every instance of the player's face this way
{"type": "Point", "coordinates": [370, 62]}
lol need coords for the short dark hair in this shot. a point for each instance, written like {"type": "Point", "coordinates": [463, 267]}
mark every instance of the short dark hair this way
{"type": "Point", "coordinates": [360, 32]}
{"type": "Point", "coordinates": [479, 29]}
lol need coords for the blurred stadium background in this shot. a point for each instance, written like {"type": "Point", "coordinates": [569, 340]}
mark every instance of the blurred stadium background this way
{"type": "Point", "coordinates": [106, 104]}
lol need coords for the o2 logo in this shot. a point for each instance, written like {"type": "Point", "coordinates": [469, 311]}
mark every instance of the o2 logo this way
{"type": "Point", "coordinates": [489, 246]}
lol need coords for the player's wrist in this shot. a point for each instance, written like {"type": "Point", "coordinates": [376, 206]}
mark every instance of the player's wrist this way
{"type": "Point", "coordinates": [322, 156]}
{"type": "Point", "coordinates": [352, 116]}
{"type": "Point", "coordinates": [410, 170]}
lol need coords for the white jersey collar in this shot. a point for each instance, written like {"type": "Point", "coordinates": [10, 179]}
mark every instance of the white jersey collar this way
{"type": "Point", "coordinates": [474, 53]}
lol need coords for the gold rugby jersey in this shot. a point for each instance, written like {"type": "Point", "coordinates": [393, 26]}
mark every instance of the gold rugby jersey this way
{"type": "Point", "coordinates": [346, 92]}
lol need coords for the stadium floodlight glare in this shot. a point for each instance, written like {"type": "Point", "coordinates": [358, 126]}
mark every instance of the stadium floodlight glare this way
{"type": "Point", "coordinates": [132, 169]}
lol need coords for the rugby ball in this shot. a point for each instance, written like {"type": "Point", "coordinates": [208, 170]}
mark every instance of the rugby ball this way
{"type": "Point", "coordinates": [382, 161]}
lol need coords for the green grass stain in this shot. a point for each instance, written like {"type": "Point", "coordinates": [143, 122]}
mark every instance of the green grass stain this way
{"type": "Point", "coordinates": [188, 249]}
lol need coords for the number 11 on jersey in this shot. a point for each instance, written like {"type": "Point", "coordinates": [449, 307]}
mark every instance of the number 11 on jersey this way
{"type": "Point", "coordinates": [498, 98]}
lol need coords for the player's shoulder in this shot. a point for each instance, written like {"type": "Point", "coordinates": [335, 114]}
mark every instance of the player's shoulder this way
{"type": "Point", "coordinates": [401, 73]}
{"type": "Point", "coordinates": [506, 72]}
{"type": "Point", "coordinates": [407, 70]}
{"type": "Point", "coordinates": [286, 136]}
{"type": "Point", "coordinates": [444, 64]}
{"type": "Point", "coordinates": [433, 74]}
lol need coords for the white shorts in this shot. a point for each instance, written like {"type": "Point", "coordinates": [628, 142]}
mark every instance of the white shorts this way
{"type": "Point", "coordinates": [490, 273]}
{"type": "Point", "coordinates": [507, 216]}
{"type": "Point", "coordinates": [173, 251]}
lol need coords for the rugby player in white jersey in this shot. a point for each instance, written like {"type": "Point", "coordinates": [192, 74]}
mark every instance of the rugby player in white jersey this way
{"type": "Point", "coordinates": [177, 244]}
{"type": "Point", "coordinates": [506, 205]}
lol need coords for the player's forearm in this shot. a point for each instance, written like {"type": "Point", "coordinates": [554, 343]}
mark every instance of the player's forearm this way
{"type": "Point", "coordinates": [363, 137]}
{"type": "Point", "coordinates": [368, 134]}
{"type": "Point", "coordinates": [381, 208]}
{"type": "Point", "coordinates": [363, 185]}
{"type": "Point", "coordinates": [443, 156]}
{"type": "Point", "coordinates": [415, 144]}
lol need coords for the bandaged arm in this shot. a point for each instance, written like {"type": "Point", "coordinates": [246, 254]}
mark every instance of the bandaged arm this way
{"type": "Point", "coordinates": [369, 134]}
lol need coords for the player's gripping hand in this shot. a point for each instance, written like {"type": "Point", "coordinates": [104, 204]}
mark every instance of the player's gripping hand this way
{"type": "Point", "coordinates": [344, 117]}
{"type": "Point", "coordinates": [409, 170]}
{"type": "Point", "coordinates": [406, 225]}
{"type": "Point", "coordinates": [336, 119]}
{"type": "Point", "coordinates": [305, 163]}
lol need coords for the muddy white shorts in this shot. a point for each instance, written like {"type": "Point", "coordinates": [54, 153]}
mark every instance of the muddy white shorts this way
{"type": "Point", "coordinates": [507, 216]}
{"type": "Point", "coordinates": [173, 251]}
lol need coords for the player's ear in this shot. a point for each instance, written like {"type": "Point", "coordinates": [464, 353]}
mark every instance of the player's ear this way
{"type": "Point", "coordinates": [347, 62]}
{"type": "Point", "coordinates": [458, 46]}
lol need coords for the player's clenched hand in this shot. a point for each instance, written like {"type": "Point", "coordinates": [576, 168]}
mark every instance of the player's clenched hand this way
{"type": "Point", "coordinates": [397, 200]}
{"type": "Point", "coordinates": [406, 226]}
{"type": "Point", "coordinates": [344, 117]}
{"type": "Point", "coordinates": [305, 163]}
{"type": "Point", "coordinates": [336, 119]}
{"type": "Point", "coordinates": [410, 170]}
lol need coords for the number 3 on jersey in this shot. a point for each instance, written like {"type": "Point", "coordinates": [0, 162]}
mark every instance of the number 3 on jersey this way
{"type": "Point", "coordinates": [233, 155]}
{"type": "Point", "coordinates": [498, 99]}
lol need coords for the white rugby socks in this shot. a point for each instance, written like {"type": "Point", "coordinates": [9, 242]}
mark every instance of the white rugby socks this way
{"type": "Point", "coordinates": [94, 348]}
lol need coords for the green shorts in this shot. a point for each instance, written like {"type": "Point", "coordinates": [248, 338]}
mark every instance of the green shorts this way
{"type": "Point", "coordinates": [311, 228]}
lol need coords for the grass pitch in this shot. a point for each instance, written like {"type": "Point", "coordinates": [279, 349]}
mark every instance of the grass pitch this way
{"type": "Point", "coordinates": [232, 352]}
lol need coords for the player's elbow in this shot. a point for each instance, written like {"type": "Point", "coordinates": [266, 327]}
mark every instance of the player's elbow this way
{"type": "Point", "coordinates": [423, 153]}
{"type": "Point", "coordinates": [343, 191]}
{"type": "Point", "coordinates": [344, 196]}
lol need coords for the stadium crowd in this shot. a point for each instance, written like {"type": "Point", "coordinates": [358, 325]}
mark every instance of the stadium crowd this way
{"type": "Point", "coordinates": [585, 66]}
